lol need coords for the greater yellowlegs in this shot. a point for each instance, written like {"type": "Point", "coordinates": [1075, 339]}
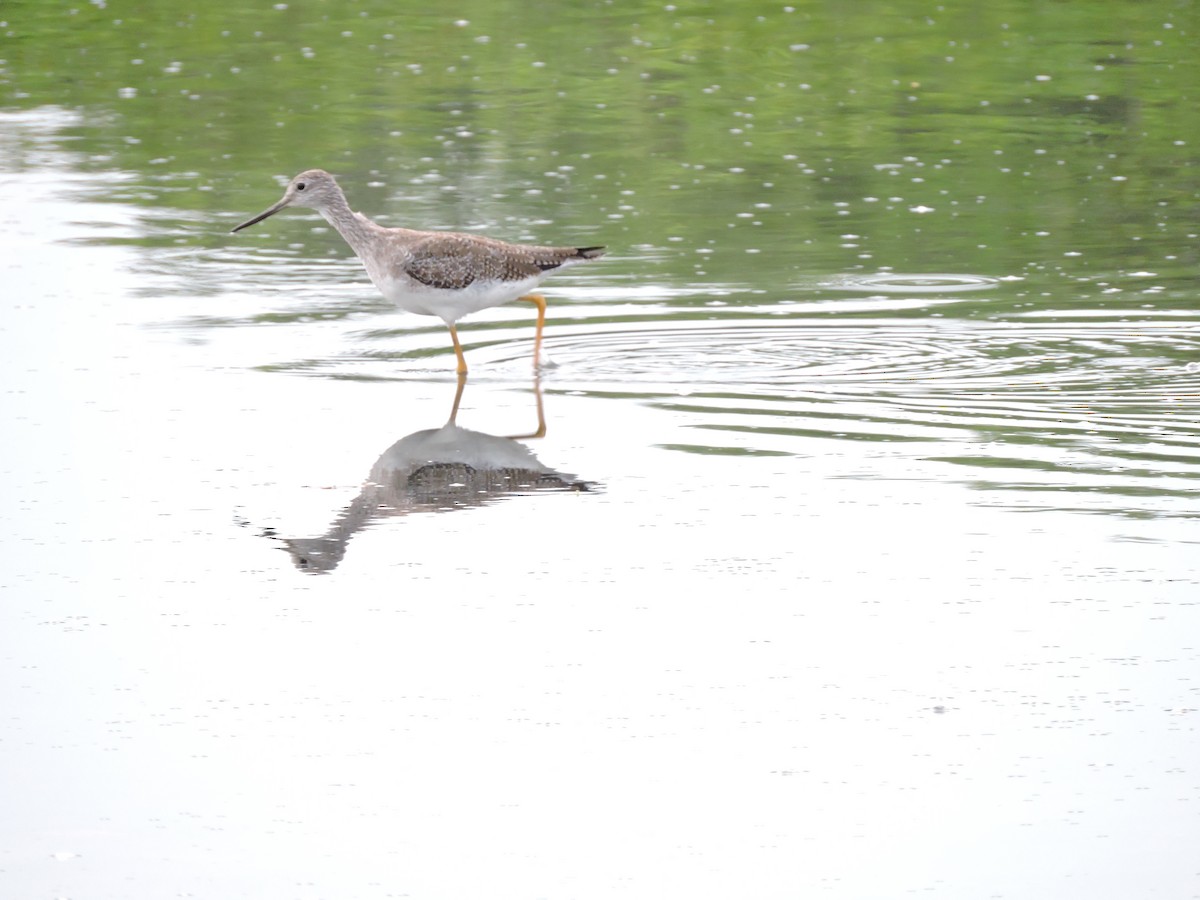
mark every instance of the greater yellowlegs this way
{"type": "Point", "coordinates": [434, 273]}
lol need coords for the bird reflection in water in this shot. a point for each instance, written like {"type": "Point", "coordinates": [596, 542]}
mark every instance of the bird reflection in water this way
{"type": "Point", "coordinates": [436, 470]}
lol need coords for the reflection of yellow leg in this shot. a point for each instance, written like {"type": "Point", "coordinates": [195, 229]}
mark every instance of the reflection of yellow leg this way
{"type": "Point", "coordinates": [462, 360]}
{"type": "Point", "coordinates": [462, 383]}
{"type": "Point", "coordinates": [540, 302]}
{"type": "Point", "coordinates": [541, 414]}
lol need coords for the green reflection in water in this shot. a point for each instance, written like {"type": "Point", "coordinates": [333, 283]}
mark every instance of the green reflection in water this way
{"type": "Point", "coordinates": [782, 140]}
{"type": "Point", "coordinates": [745, 162]}
{"type": "Point", "coordinates": [707, 450]}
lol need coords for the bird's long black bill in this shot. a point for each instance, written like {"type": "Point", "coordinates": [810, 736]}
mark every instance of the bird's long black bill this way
{"type": "Point", "coordinates": [262, 215]}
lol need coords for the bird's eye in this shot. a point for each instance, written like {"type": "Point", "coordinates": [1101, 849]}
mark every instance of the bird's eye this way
{"type": "Point", "coordinates": [300, 186]}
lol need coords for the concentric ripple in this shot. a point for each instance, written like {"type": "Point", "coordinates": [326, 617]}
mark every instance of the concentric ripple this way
{"type": "Point", "coordinates": [892, 357]}
{"type": "Point", "coordinates": [1097, 407]}
{"type": "Point", "coordinates": [901, 283]}
{"type": "Point", "coordinates": [1104, 411]}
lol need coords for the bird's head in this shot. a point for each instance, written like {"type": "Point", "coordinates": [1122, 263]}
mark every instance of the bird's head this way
{"type": "Point", "coordinates": [314, 188]}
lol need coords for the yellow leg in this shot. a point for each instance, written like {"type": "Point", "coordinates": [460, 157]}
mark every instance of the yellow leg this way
{"type": "Point", "coordinates": [540, 302]}
{"type": "Point", "coordinates": [462, 360]}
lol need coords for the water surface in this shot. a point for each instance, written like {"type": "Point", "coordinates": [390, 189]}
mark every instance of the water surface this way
{"type": "Point", "coordinates": [857, 555]}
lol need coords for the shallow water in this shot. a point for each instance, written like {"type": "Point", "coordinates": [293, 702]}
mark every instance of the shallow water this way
{"type": "Point", "coordinates": [859, 554]}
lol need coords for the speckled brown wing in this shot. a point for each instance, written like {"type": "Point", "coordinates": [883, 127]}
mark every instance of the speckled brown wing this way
{"type": "Point", "coordinates": [453, 261]}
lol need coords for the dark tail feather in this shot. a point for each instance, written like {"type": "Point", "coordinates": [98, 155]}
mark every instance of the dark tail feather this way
{"type": "Point", "coordinates": [562, 256]}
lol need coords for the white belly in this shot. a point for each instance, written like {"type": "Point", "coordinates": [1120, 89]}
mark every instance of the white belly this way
{"type": "Point", "coordinates": [451, 305]}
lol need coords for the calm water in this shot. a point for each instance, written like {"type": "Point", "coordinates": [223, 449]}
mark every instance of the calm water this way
{"type": "Point", "coordinates": [860, 556]}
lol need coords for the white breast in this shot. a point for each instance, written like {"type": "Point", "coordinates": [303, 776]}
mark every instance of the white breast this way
{"type": "Point", "coordinates": [450, 305]}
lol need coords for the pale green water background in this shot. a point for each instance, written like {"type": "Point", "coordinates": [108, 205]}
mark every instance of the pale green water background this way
{"type": "Point", "coordinates": [884, 582]}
